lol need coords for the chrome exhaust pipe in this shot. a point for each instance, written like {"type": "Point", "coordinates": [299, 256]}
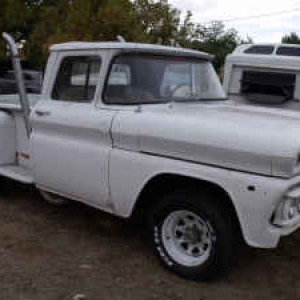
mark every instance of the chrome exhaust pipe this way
{"type": "Point", "coordinates": [19, 79]}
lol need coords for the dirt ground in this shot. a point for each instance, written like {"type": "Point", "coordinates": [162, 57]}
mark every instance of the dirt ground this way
{"type": "Point", "coordinates": [51, 253]}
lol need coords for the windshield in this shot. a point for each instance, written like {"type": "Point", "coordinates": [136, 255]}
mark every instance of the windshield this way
{"type": "Point", "coordinates": [140, 79]}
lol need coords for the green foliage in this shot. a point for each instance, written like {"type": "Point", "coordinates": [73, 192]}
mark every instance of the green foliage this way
{"type": "Point", "coordinates": [44, 22]}
{"type": "Point", "coordinates": [216, 40]}
{"type": "Point", "coordinates": [12, 19]}
{"type": "Point", "coordinates": [101, 20]}
{"type": "Point", "coordinates": [158, 21]}
{"type": "Point", "coordinates": [292, 38]}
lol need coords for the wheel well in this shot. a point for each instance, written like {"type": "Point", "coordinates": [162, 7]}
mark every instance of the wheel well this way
{"type": "Point", "coordinates": [160, 185]}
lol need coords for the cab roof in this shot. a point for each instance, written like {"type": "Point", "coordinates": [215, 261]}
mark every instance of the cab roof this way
{"type": "Point", "coordinates": [130, 47]}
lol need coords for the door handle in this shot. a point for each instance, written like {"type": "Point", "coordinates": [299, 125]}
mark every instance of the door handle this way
{"type": "Point", "coordinates": [42, 113]}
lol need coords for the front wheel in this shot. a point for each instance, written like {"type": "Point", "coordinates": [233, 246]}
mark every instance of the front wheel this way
{"type": "Point", "coordinates": [192, 235]}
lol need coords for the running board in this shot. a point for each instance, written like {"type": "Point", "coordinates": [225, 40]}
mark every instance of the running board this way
{"type": "Point", "coordinates": [17, 173]}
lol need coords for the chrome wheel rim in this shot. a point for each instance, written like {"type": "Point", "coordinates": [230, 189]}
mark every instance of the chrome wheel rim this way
{"type": "Point", "coordinates": [187, 238]}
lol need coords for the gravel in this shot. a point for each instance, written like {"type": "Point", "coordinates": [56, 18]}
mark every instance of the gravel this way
{"type": "Point", "coordinates": [77, 252]}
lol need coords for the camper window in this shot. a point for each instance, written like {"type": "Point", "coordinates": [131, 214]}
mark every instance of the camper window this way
{"type": "Point", "coordinates": [288, 51]}
{"type": "Point", "coordinates": [259, 50]}
{"type": "Point", "coordinates": [268, 87]}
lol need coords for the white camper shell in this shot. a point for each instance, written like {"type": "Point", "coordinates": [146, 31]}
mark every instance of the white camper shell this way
{"type": "Point", "coordinates": [264, 74]}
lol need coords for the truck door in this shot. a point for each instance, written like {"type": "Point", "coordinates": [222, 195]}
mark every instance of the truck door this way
{"type": "Point", "coordinates": [71, 140]}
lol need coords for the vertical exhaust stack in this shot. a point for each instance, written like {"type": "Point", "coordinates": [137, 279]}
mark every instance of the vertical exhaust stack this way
{"type": "Point", "coordinates": [19, 79]}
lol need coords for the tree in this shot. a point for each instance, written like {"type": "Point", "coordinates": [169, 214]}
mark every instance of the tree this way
{"type": "Point", "coordinates": [187, 32]}
{"type": "Point", "coordinates": [50, 17]}
{"type": "Point", "coordinates": [85, 20]}
{"type": "Point", "coordinates": [12, 20]}
{"type": "Point", "coordinates": [41, 23]}
{"type": "Point", "coordinates": [216, 40]}
{"type": "Point", "coordinates": [118, 18]}
{"type": "Point", "coordinates": [158, 21]}
{"type": "Point", "coordinates": [292, 38]}
{"type": "Point", "coordinates": [100, 20]}
{"type": "Point", "coordinates": [20, 18]}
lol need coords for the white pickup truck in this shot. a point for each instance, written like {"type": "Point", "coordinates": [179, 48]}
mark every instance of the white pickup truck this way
{"type": "Point", "coordinates": [146, 130]}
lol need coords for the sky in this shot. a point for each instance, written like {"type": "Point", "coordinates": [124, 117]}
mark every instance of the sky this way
{"type": "Point", "coordinates": [265, 29]}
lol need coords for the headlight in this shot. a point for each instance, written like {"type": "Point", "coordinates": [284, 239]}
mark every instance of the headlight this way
{"type": "Point", "coordinates": [292, 211]}
{"type": "Point", "coordinates": [287, 212]}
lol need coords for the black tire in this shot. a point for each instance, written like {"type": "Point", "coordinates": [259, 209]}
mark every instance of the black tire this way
{"type": "Point", "coordinates": [221, 226]}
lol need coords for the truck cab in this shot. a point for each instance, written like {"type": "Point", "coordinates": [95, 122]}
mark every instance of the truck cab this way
{"type": "Point", "coordinates": [135, 129]}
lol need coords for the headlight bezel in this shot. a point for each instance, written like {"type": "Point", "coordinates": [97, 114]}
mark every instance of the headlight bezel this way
{"type": "Point", "coordinates": [287, 212]}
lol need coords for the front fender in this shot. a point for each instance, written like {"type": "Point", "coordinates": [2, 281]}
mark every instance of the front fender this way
{"type": "Point", "coordinates": [131, 171]}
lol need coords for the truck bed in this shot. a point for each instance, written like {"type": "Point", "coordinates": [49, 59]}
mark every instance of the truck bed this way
{"type": "Point", "coordinates": [12, 102]}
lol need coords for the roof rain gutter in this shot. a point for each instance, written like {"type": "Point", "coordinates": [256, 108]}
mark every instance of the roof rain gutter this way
{"type": "Point", "coordinates": [19, 79]}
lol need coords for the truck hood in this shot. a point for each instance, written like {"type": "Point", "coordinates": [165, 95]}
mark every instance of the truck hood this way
{"type": "Point", "coordinates": [252, 139]}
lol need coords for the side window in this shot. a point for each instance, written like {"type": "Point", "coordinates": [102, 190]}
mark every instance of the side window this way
{"type": "Point", "coordinates": [77, 79]}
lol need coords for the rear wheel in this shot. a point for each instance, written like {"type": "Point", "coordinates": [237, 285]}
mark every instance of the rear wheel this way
{"type": "Point", "coordinates": [192, 235]}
